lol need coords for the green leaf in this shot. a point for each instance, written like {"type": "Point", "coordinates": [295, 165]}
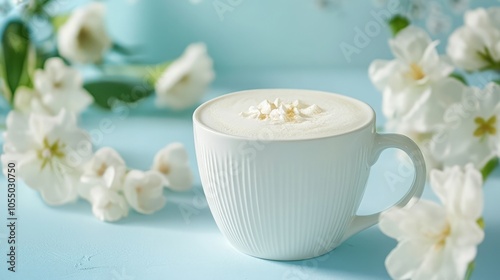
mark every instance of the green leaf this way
{"type": "Point", "coordinates": [109, 89]}
{"type": "Point", "coordinates": [37, 8]}
{"type": "Point", "coordinates": [489, 167]}
{"type": "Point", "coordinates": [487, 57]}
{"type": "Point", "coordinates": [459, 77]}
{"type": "Point", "coordinates": [398, 23]}
{"type": "Point", "coordinates": [15, 50]}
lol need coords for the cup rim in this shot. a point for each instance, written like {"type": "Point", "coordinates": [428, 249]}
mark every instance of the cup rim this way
{"type": "Point", "coordinates": [199, 123]}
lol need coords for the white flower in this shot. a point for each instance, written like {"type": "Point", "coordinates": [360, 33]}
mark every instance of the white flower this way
{"type": "Point", "coordinates": [106, 168]}
{"type": "Point", "coordinates": [183, 83]}
{"type": "Point", "coordinates": [83, 38]}
{"type": "Point", "coordinates": [471, 132]}
{"type": "Point", "coordinates": [476, 45]}
{"type": "Point", "coordinates": [27, 100]}
{"type": "Point", "coordinates": [415, 86]}
{"type": "Point", "coordinates": [57, 86]}
{"type": "Point", "coordinates": [173, 163]}
{"type": "Point", "coordinates": [280, 111]}
{"type": "Point", "coordinates": [107, 204]}
{"type": "Point", "coordinates": [49, 151]}
{"type": "Point", "coordinates": [437, 241]}
{"type": "Point", "coordinates": [144, 191]}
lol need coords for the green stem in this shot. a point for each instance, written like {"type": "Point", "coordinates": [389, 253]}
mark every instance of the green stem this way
{"type": "Point", "coordinates": [470, 269]}
{"type": "Point", "coordinates": [150, 73]}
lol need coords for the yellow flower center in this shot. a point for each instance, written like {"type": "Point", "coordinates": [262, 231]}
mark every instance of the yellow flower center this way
{"type": "Point", "coordinates": [101, 169]}
{"type": "Point", "coordinates": [485, 126]}
{"type": "Point", "coordinates": [442, 236]}
{"type": "Point", "coordinates": [50, 151]}
{"type": "Point", "coordinates": [84, 35]}
{"type": "Point", "coordinates": [184, 79]}
{"type": "Point", "coordinates": [290, 113]}
{"type": "Point", "coordinates": [164, 168]}
{"type": "Point", "coordinates": [416, 73]}
{"type": "Point", "coordinates": [58, 84]}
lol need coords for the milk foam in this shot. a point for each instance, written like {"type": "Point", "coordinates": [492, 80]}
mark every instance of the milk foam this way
{"type": "Point", "coordinates": [336, 115]}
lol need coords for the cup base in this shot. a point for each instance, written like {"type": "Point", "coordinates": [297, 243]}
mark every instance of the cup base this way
{"type": "Point", "coordinates": [284, 257]}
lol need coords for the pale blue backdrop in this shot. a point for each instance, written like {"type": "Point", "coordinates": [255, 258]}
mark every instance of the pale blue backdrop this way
{"type": "Point", "coordinates": [263, 33]}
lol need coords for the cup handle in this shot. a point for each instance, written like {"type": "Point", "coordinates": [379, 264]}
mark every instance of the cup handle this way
{"type": "Point", "coordinates": [382, 142]}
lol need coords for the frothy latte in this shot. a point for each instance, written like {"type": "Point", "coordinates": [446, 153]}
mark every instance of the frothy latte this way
{"type": "Point", "coordinates": [285, 114]}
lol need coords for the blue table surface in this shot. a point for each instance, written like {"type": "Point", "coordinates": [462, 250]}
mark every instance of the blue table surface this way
{"type": "Point", "coordinates": [182, 241]}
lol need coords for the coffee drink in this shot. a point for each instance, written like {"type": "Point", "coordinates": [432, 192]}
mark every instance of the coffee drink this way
{"type": "Point", "coordinates": [295, 195]}
{"type": "Point", "coordinates": [287, 114]}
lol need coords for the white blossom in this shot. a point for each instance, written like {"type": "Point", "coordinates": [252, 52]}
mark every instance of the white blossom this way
{"type": "Point", "coordinates": [144, 191]}
{"type": "Point", "coordinates": [173, 163]}
{"type": "Point", "coordinates": [185, 81]}
{"type": "Point", "coordinates": [106, 168]}
{"type": "Point", "coordinates": [107, 204]}
{"type": "Point", "coordinates": [415, 85]}
{"type": "Point", "coordinates": [57, 87]}
{"type": "Point", "coordinates": [83, 37]}
{"type": "Point", "coordinates": [471, 132]}
{"type": "Point", "coordinates": [437, 241]}
{"type": "Point", "coordinates": [49, 152]}
{"type": "Point", "coordinates": [475, 45]}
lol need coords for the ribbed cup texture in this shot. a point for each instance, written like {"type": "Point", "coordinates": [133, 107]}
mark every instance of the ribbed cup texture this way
{"type": "Point", "coordinates": [281, 205]}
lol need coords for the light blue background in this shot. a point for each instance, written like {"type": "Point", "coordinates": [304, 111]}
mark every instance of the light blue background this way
{"type": "Point", "coordinates": [260, 44]}
{"type": "Point", "coordinates": [259, 34]}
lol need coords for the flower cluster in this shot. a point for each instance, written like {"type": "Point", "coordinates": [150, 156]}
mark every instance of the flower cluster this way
{"type": "Point", "coordinates": [180, 84]}
{"type": "Point", "coordinates": [458, 129]}
{"type": "Point", "coordinates": [111, 188]}
{"type": "Point", "coordinates": [452, 122]}
{"type": "Point", "coordinates": [55, 158]}
{"type": "Point", "coordinates": [55, 87]}
{"type": "Point", "coordinates": [81, 38]}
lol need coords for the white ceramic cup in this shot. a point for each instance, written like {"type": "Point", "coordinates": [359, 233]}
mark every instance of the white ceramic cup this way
{"type": "Point", "coordinates": [293, 199]}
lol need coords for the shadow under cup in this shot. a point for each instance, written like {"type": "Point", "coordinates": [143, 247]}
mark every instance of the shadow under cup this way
{"type": "Point", "coordinates": [292, 199]}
